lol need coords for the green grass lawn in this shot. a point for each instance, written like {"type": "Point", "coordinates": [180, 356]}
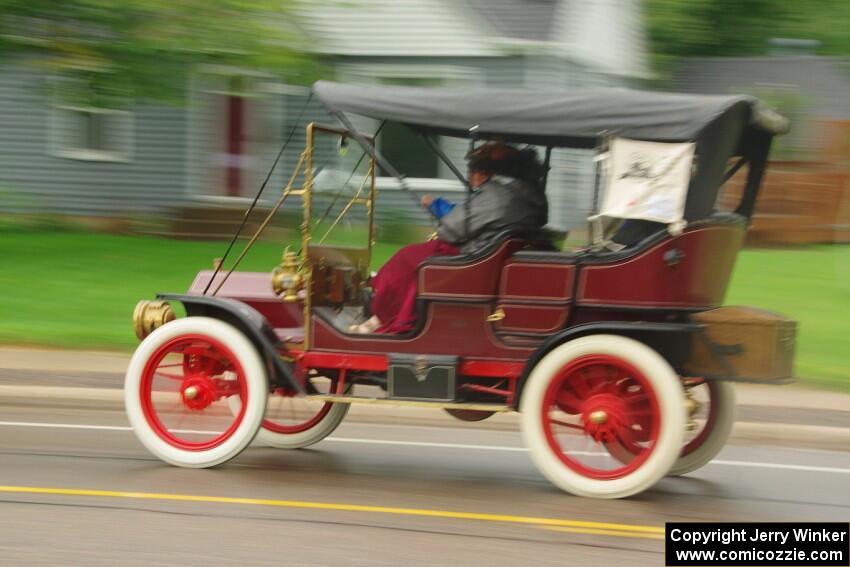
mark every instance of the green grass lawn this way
{"type": "Point", "coordinates": [77, 290]}
{"type": "Point", "coordinates": [812, 285]}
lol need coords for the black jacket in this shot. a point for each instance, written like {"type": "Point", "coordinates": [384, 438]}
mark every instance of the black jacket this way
{"type": "Point", "coordinates": [500, 204]}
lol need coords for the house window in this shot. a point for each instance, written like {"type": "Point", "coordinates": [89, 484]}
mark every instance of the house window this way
{"type": "Point", "coordinates": [403, 147]}
{"type": "Point", "coordinates": [406, 151]}
{"type": "Point", "coordinates": [91, 134]}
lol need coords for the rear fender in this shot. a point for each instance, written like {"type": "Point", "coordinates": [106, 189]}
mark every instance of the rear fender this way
{"type": "Point", "coordinates": [248, 320]}
{"type": "Point", "coordinates": [670, 340]}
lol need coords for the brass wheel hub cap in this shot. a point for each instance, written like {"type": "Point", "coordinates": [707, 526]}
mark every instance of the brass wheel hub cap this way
{"type": "Point", "coordinates": [598, 417]}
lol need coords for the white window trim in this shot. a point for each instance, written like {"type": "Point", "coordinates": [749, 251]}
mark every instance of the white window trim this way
{"type": "Point", "coordinates": [420, 184]}
{"type": "Point", "coordinates": [56, 149]}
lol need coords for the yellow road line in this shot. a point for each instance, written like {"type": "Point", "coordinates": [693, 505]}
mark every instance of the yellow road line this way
{"type": "Point", "coordinates": [597, 527]}
{"type": "Point", "coordinates": [614, 533]}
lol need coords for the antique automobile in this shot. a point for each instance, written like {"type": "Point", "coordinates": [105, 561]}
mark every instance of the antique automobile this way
{"type": "Point", "coordinates": [619, 356]}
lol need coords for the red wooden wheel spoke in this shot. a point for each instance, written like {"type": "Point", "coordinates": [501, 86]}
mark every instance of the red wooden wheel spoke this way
{"type": "Point", "coordinates": [211, 365]}
{"type": "Point", "coordinates": [569, 400]}
{"type": "Point", "coordinates": [566, 424]}
{"type": "Point", "coordinates": [288, 413]}
{"type": "Point", "coordinates": [196, 349]}
{"type": "Point", "coordinates": [616, 450]}
{"type": "Point", "coordinates": [613, 375]}
{"type": "Point", "coordinates": [626, 435]}
{"type": "Point", "coordinates": [580, 385]}
{"type": "Point", "coordinates": [170, 376]}
{"type": "Point", "coordinates": [224, 388]}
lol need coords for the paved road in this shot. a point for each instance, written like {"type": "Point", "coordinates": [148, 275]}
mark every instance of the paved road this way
{"type": "Point", "coordinates": [371, 495]}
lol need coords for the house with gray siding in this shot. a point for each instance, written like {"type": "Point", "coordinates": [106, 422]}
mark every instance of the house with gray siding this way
{"type": "Point", "coordinates": [216, 150]}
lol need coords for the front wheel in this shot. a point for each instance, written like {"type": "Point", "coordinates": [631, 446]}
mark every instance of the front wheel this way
{"type": "Point", "coordinates": [597, 392]}
{"type": "Point", "coordinates": [177, 389]}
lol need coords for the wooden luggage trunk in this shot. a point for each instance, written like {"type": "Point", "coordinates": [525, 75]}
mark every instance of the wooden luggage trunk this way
{"type": "Point", "coordinates": [744, 344]}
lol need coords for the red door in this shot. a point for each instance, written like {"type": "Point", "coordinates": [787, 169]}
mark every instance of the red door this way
{"type": "Point", "coordinates": [234, 152]}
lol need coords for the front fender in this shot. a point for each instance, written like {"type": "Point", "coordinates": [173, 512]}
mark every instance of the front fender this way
{"type": "Point", "coordinates": [670, 340]}
{"type": "Point", "coordinates": [246, 319]}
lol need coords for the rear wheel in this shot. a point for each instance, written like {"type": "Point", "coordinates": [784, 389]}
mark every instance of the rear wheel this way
{"type": "Point", "coordinates": [598, 392]}
{"type": "Point", "coordinates": [715, 418]}
{"type": "Point", "coordinates": [177, 388]}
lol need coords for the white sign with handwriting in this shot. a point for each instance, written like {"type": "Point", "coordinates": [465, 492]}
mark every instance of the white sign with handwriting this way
{"type": "Point", "coordinates": [647, 180]}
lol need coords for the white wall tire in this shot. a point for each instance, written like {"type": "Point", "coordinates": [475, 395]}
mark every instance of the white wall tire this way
{"type": "Point", "coordinates": [217, 361]}
{"type": "Point", "coordinates": [623, 382]}
{"type": "Point", "coordinates": [295, 436]}
{"type": "Point", "coordinates": [700, 450]}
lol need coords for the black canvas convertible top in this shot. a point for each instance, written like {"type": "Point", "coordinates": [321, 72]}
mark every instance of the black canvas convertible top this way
{"type": "Point", "coordinates": [574, 118]}
{"type": "Point", "coordinates": [721, 126]}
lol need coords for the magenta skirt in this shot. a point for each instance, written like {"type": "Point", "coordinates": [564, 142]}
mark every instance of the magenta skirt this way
{"type": "Point", "coordinates": [394, 302]}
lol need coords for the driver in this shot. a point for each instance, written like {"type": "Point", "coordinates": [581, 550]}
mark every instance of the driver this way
{"type": "Point", "coordinates": [507, 195]}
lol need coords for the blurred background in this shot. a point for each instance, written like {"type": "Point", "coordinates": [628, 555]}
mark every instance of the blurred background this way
{"type": "Point", "coordinates": [133, 135]}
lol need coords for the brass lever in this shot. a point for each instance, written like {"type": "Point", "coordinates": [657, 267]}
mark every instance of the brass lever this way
{"type": "Point", "coordinates": [497, 315]}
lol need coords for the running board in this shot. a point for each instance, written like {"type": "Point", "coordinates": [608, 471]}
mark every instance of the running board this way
{"type": "Point", "coordinates": [498, 408]}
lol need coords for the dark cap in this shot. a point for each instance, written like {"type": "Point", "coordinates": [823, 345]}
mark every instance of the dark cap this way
{"type": "Point", "coordinates": [503, 159]}
{"type": "Point", "coordinates": [491, 156]}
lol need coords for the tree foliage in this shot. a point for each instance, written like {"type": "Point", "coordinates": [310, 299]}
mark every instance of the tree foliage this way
{"type": "Point", "coordinates": [713, 27]}
{"type": "Point", "coordinates": [735, 28]}
{"type": "Point", "coordinates": [112, 50]}
{"type": "Point", "coordinates": [827, 21]}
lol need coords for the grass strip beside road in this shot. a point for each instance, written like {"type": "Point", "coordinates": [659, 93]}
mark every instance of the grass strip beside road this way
{"type": "Point", "coordinates": [77, 290]}
{"type": "Point", "coordinates": [811, 285]}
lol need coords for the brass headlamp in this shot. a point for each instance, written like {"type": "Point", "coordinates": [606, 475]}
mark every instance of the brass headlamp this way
{"type": "Point", "coordinates": [151, 315]}
{"type": "Point", "coordinates": [286, 278]}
